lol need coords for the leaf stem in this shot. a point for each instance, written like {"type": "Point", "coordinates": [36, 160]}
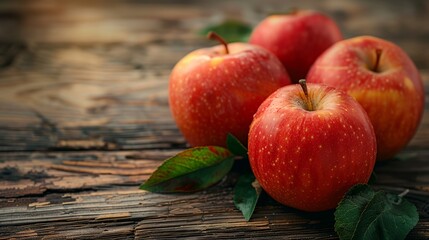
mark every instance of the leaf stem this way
{"type": "Point", "coordinates": [400, 196]}
{"type": "Point", "coordinates": [405, 192]}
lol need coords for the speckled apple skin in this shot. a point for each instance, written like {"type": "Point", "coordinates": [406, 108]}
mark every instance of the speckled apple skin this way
{"type": "Point", "coordinates": [297, 39]}
{"type": "Point", "coordinates": [212, 93]}
{"type": "Point", "coordinates": [309, 159]}
{"type": "Point", "coordinates": [393, 97]}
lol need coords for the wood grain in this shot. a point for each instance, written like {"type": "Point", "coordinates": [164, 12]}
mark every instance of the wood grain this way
{"type": "Point", "coordinates": [60, 103]}
{"type": "Point", "coordinates": [84, 119]}
{"type": "Point", "coordinates": [79, 194]}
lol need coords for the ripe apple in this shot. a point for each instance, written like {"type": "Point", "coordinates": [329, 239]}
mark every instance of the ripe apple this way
{"type": "Point", "coordinates": [215, 91]}
{"type": "Point", "coordinates": [308, 147]}
{"type": "Point", "coordinates": [297, 39]}
{"type": "Point", "coordinates": [383, 79]}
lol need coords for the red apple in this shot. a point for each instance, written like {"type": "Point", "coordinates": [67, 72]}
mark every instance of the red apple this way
{"type": "Point", "coordinates": [307, 149]}
{"type": "Point", "coordinates": [297, 39]}
{"type": "Point", "coordinates": [384, 80]}
{"type": "Point", "coordinates": [215, 91]}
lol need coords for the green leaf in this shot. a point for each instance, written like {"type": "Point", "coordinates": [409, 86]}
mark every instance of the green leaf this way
{"type": "Point", "coordinates": [231, 31]}
{"type": "Point", "coordinates": [366, 214]}
{"type": "Point", "coordinates": [246, 194]}
{"type": "Point", "coordinates": [191, 170]}
{"type": "Point", "coordinates": [235, 146]}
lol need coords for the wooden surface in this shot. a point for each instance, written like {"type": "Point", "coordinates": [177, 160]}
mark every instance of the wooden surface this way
{"type": "Point", "coordinates": [84, 119]}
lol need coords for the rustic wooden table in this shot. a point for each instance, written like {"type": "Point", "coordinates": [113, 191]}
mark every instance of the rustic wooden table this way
{"type": "Point", "coordinates": [84, 118]}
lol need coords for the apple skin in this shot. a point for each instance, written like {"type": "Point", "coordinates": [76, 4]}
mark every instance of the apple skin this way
{"type": "Point", "coordinates": [393, 96]}
{"type": "Point", "coordinates": [212, 93]}
{"type": "Point", "coordinates": [309, 159]}
{"type": "Point", "coordinates": [297, 39]}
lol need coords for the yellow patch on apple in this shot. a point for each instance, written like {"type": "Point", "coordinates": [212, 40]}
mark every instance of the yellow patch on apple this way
{"type": "Point", "coordinates": [408, 84]}
{"type": "Point", "coordinates": [216, 61]}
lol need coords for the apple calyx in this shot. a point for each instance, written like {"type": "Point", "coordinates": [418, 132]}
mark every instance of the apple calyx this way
{"type": "Point", "coordinates": [309, 104]}
{"type": "Point", "coordinates": [215, 36]}
{"type": "Point", "coordinates": [377, 60]}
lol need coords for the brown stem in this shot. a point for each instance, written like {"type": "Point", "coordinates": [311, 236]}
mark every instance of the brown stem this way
{"type": "Point", "coordinates": [377, 59]}
{"type": "Point", "coordinates": [215, 36]}
{"type": "Point", "coordinates": [303, 84]}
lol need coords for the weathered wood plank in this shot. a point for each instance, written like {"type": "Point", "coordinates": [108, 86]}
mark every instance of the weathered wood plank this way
{"type": "Point", "coordinates": [73, 98]}
{"type": "Point", "coordinates": [142, 215]}
{"type": "Point", "coordinates": [63, 98]}
{"type": "Point", "coordinates": [92, 193]}
{"type": "Point", "coordinates": [23, 174]}
{"type": "Point", "coordinates": [36, 173]}
{"type": "Point", "coordinates": [133, 213]}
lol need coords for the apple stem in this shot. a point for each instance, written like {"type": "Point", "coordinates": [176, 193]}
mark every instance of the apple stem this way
{"type": "Point", "coordinates": [215, 36]}
{"type": "Point", "coordinates": [303, 84]}
{"type": "Point", "coordinates": [377, 59]}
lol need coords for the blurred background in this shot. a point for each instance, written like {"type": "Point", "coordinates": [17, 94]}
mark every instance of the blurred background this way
{"type": "Point", "coordinates": [145, 21]}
